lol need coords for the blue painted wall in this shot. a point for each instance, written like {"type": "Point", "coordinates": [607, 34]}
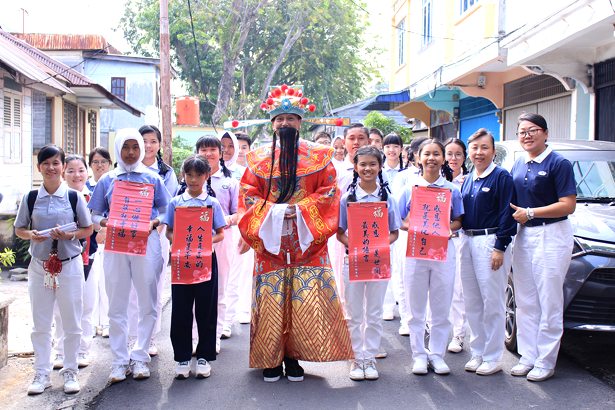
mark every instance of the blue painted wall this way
{"type": "Point", "coordinates": [475, 113]}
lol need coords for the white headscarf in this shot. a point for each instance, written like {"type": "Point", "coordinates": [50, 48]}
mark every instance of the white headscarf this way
{"type": "Point", "coordinates": [122, 136]}
{"type": "Point", "coordinates": [223, 134]}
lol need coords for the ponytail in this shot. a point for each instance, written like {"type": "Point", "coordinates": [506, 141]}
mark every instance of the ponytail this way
{"type": "Point", "coordinates": [225, 171]}
{"type": "Point", "coordinates": [447, 171]}
{"type": "Point", "coordinates": [352, 197]}
{"type": "Point", "coordinates": [210, 190]}
{"type": "Point", "coordinates": [163, 168]}
{"type": "Point", "coordinates": [384, 187]}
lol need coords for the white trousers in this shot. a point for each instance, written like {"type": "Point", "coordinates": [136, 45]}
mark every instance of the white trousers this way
{"type": "Point", "coordinates": [484, 291]}
{"type": "Point", "coordinates": [225, 253]}
{"type": "Point", "coordinates": [121, 272]}
{"type": "Point", "coordinates": [458, 314]}
{"type": "Point", "coordinates": [396, 293]}
{"type": "Point", "coordinates": [430, 281]}
{"type": "Point", "coordinates": [69, 297]}
{"type": "Point", "coordinates": [364, 307]}
{"type": "Point", "coordinates": [541, 257]}
{"type": "Point", "coordinates": [101, 302]}
{"type": "Point", "coordinates": [236, 276]}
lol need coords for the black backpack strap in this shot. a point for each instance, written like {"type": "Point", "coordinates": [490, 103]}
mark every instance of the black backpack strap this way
{"type": "Point", "coordinates": [32, 195]}
{"type": "Point", "coordinates": [72, 198]}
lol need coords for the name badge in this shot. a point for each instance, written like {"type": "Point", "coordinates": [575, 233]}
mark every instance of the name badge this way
{"type": "Point", "coordinates": [486, 189]}
{"type": "Point", "coordinates": [225, 186]}
{"type": "Point", "coordinates": [542, 173]}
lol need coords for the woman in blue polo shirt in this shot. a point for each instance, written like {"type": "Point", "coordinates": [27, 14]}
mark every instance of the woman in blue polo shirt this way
{"type": "Point", "coordinates": [488, 228]}
{"type": "Point", "coordinates": [546, 195]}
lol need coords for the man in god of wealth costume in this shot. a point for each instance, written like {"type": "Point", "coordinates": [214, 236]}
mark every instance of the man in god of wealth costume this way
{"type": "Point", "coordinates": [291, 205]}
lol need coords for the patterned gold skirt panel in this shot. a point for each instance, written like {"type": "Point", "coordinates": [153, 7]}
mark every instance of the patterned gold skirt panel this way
{"type": "Point", "coordinates": [296, 313]}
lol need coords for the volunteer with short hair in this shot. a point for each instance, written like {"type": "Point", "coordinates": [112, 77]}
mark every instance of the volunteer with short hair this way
{"type": "Point", "coordinates": [55, 273]}
{"type": "Point", "coordinates": [546, 195]}
{"type": "Point", "coordinates": [488, 228]}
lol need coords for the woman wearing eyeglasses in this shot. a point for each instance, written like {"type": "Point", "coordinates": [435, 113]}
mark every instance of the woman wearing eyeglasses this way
{"type": "Point", "coordinates": [546, 195]}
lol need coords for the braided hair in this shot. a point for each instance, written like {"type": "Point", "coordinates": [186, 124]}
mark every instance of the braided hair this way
{"type": "Point", "coordinates": [446, 170]}
{"type": "Point", "coordinates": [163, 168]}
{"type": "Point", "coordinates": [368, 150]}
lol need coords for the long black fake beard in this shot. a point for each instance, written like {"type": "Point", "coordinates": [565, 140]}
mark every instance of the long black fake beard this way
{"type": "Point", "coordinates": [289, 148]}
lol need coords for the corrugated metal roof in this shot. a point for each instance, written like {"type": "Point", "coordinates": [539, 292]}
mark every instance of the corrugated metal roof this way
{"type": "Point", "coordinates": [85, 42]}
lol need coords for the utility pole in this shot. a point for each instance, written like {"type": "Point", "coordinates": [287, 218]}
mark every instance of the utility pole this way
{"type": "Point", "coordinates": [23, 20]}
{"type": "Point", "coordinates": [165, 82]}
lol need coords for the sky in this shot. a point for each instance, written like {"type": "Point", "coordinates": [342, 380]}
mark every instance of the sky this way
{"type": "Point", "coordinates": [66, 17]}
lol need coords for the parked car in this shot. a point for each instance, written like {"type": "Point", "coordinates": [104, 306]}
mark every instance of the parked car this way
{"type": "Point", "coordinates": [589, 287]}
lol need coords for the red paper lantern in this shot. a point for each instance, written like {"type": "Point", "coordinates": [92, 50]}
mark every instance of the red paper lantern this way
{"type": "Point", "coordinates": [235, 123]}
{"type": "Point", "coordinates": [339, 122]}
{"type": "Point", "coordinates": [304, 101]}
{"type": "Point", "coordinates": [312, 108]}
{"type": "Point", "coordinates": [269, 101]}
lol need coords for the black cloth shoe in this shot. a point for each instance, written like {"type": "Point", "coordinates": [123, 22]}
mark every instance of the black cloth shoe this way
{"type": "Point", "coordinates": [273, 374]}
{"type": "Point", "coordinates": [294, 372]}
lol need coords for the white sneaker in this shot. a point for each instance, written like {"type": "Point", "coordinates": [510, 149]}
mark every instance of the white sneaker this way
{"type": "Point", "coordinates": [152, 350]}
{"type": "Point", "coordinates": [58, 362]}
{"type": "Point", "coordinates": [182, 370]}
{"type": "Point", "coordinates": [473, 364]}
{"type": "Point", "coordinates": [404, 330]}
{"type": "Point", "coordinates": [369, 368]}
{"type": "Point", "coordinates": [140, 370]}
{"type": "Point", "coordinates": [105, 332]}
{"type": "Point", "coordinates": [456, 344]}
{"type": "Point", "coordinates": [388, 316]}
{"type": "Point", "coordinates": [521, 370]}
{"type": "Point", "coordinates": [382, 354]}
{"type": "Point", "coordinates": [420, 366]}
{"type": "Point", "coordinates": [539, 374]}
{"type": "Point", "coordinates": [119, 373]}
{"type": "Point", "coordinates": [488, 368]}
{"type": "Point", "coordinates": [203, 369]}
{"type": "Point", "coordinates": [83, 360]}
{"type": "Point", "coordinates": [356, 370]}
{"type": "Point", "coordinates": [39, 384]}
{"type": "Point", "coordinates": [71, 384]}
{"type": "Point", "coordinates": [226, 332]}
{"type": "Point", "coordinates": [438, 365]}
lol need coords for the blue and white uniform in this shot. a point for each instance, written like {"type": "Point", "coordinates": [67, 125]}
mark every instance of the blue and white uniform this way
{"type": "Point", "coordinates": [430, 280]}
{"type": "Point", "coordinates": [488, 226]}
{"type": "Point", "coordinates": [541, 257]}
{"type": "Point", "coordinates": [123, 271]}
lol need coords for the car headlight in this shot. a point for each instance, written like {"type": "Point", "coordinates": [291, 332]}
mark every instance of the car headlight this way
{"type": "Point", "coordinates": [589, 246]}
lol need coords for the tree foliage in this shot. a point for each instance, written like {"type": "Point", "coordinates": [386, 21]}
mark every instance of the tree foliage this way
{"type": "Point", "coordinates": [181, 151]}
{"type": "Point", "coordinates": [244, 46]}
{"type": "Point", "coordinates": [387, 125]}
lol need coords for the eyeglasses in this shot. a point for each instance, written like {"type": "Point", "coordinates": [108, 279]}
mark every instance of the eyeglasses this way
{"type": "Point", "coordinates": [103, 162]}
{"type": "Point", "coordinates": [531, 132]}
{"type": "Point", "coordinates": [457, 155]}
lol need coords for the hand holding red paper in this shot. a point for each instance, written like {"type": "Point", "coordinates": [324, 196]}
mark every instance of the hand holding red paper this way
{"type": "Point", "coordinates": [429, 223]}
{"type": "Point", "coordinates": [192, 245]}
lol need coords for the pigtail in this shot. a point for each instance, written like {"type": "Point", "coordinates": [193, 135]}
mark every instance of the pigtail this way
{"type": "Point", "coordinates": [163, 168]}
{"type": "Point", "coordinates": [352, 197]}
{"type": "Point", "coordinates": [225, 171]}
{"type": "Point", "coordinates": [182, 187]}
{"type": "Point", "coordinates": [464, 169]}
{"type": "Point", "coordinates": [210, 191]}
{"type": "Point", "coordinates": [384, 187]}
{"type": "Point", "coordinates": [447, 171]}
{"type": "Point", "coordinates": [401, 162]}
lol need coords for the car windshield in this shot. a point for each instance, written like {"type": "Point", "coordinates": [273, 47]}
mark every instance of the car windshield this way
{"type": "Point", "coordinates": [595, 179]}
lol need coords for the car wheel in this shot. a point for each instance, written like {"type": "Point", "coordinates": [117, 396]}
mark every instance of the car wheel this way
{"type": "Point", "coordinates": [511, 317]}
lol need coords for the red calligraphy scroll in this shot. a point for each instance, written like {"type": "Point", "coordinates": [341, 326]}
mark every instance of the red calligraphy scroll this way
{"type": "Point", "coordinates": [430, 222]}
{"type": "Point", "coordinates": [192, 245]}
{"type": "Point", "coordinates": [368, 241]}
{"type": "Point", "coordinates": [128, 226]}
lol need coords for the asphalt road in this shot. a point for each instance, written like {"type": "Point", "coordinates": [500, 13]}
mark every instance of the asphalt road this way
{"type": "Point", "coordinates": [233, 385]}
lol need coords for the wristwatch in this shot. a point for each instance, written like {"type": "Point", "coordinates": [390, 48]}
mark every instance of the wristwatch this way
{"type": "Point", "coordinates": [530, 213]}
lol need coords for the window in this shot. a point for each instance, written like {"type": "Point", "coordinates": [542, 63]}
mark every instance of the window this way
{"type": "Point", "coordinates": [70, 128]}
{"type": "Point", "coordinates": [464, 5]}
{"type": "Point", "coordinates": [41, 120]}
{"type": "Point", "coordinates": [426, 22]}
{"type": "Point", "coordinates": [92, 121]}
{"type": "Point", "coordinates": [118, 87]}
{"type": "Point", "coordinates": [401, 35]}
{"type": "Point", "coordinates": [11, 128]}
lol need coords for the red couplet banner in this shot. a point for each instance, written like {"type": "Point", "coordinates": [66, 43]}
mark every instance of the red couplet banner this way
{"type": "Point", "coordinates": [192, 244]}
{"type": "Point", "coordinates": [129, 218]}
{"type": "Point", "coordinates": [368, 241]}
{"type": "Point", "coordinates": [430, 221]}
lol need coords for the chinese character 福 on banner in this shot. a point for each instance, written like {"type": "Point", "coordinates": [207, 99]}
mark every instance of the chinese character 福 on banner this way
{"type": "Point", "coordinates": [192, 245]}
{"type": "Point", "coordinates": [368, 241]}
{"type": "Point", "coordinates": [429, 223]}
{"type": "Point", "coordinates": [128, 225]}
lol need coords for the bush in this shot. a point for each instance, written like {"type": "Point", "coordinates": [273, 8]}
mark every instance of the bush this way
{"type": "Point", "coordinates": [387, 125]}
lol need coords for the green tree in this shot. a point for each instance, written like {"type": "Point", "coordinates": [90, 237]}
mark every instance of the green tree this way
{"type": "Point", "coordinates": [387, 125]}
{"type": "Point", "coordinates": [244, 46]}
{"type": "Point", "coordinates": [181, 151]}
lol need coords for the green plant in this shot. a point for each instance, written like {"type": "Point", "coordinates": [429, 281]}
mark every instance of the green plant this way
{"type": "Point", "coordinates": [20, 247]}
{"type": "Point", "coordinates": [7, 258]}
{"type": "Point", "coordinates": [181, 151]}
{"type": "Point", "coordinates": [387, 125]}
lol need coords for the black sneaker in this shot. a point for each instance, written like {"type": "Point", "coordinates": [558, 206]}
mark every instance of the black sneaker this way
{"type": "Point", "coordinates": [273, 374]}
{"type": "Point", "coordinates": [294, 372]}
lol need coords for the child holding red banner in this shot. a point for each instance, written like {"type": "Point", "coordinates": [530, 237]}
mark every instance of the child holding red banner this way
{"type": "Point", "coordinates": [364, 299]}
{"type": "Point", "coordinates": [203, 295]}
{"type": "Point", "coordinates": [431, 279]}
{"type": "Point", "coordinates": [123, 270]}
